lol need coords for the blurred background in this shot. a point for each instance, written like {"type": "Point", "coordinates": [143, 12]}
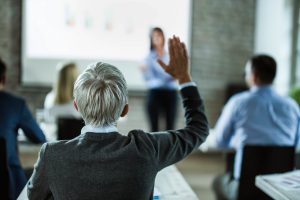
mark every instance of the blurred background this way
{"type": "Point", "coordinates": [221, 36]}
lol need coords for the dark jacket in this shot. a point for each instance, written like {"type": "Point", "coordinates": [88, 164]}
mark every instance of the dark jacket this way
{"type": "Point", "coordinates": [113, 166]}
{"type": "Point", "coordinates": [14, 114]}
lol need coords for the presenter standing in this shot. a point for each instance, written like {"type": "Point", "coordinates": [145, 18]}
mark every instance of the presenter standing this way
{"type": "Point", "coordinates": [162, 88]}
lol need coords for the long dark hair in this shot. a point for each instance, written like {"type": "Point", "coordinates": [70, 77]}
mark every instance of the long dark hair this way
{"type": "Point", "coordinates": [156, 29]}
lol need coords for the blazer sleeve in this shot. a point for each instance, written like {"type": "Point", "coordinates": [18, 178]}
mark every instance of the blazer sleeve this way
{"type": "Point", "coordinates": [30, 127]}
{"type": "Point", "coordinates": [174, 145]}
{"type": "Point", "coordinates": [38, 187]}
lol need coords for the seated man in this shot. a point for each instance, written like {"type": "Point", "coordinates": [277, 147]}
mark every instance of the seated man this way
{"type": "Point", "coordinates": [258, 116]}
{"type": "Point", "coordinates": [15, 115]}
{"type": "Point", "coordinates": [103, 164]}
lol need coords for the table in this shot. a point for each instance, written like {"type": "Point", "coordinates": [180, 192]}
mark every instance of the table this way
{"type": "Point", "coordinates": [210, 144]}
{"type": "Point", "coordinates": [285, 186]}
{"type": "Point", "coordinates": [169, 185]}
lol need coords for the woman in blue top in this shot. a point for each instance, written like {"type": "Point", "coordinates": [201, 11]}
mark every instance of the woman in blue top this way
{"type": "Point", "coordinates": [162, 88]}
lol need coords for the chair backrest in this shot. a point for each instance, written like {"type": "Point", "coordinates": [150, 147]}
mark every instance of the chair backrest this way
{"type": "Point", "coordinates": [262, 160]}
{"type": "Point", "coordinates": [233, 89]}
{"type": "Point", "coordinates": [229, 160]}
{"type": "Point", "coordinates": [3, 170]}
{"type": "Point", "coordinates": [68, 128]}
{"type": "Point", "coordinates": [297, 160]}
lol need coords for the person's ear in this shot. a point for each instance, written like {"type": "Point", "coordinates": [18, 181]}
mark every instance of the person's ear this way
{"type": "Point", "coordinates": [2, 80]}
{"type": "Point", "coordinates": [75, 105]}
{"type": "Point", "coordinates": [125, 110]}
{"type": "Point", "coordinates": [255, 79]}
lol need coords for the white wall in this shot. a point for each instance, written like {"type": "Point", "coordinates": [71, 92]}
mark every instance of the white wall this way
{"type": "Point", "coordinates": [273, 35]}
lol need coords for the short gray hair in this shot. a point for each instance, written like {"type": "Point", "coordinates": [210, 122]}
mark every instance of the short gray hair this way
{"type": "Point", "coordinates": [101, 94]}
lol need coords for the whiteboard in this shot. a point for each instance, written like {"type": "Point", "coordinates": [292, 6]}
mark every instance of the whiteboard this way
{"type": "Point", "coordinates": [113, 31]}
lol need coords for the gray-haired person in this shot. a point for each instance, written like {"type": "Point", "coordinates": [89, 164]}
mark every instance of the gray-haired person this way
{"type": "Point", "coordinates": [103, 164]}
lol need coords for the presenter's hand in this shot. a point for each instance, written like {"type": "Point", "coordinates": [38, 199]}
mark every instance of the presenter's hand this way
{"type": "Point", "coordinates": [178, 66]}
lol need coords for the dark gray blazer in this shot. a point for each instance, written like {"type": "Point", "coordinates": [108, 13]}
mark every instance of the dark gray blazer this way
{"type": "Point", "coordinates": [111, 166]}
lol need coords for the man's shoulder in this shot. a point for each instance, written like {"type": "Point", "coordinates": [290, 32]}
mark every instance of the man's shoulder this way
{"type": "Point", "coordinates": [240, 97]}
{"type": "Point", "coordinates": [10, 101]}
{"type": "Point", "coordinates": [283, 101]}
{"type": "Point", "coordinates": [143, 138]}
{"type": "Point", "coordinates": [279, 100]}
{"type": "Point", "coordinates": [288, 101]}
{"type": "Point", "coordinates": [138, 140]}
{"type": "Point", "coordinates": [137, 134]}
{"type": "Point", "coordinates": [11, 97]}
{"type": "Point", "coordinates": [61, 148]}
{"type": "Point", "coordinates": [80, 140]}
{"type": "Point", "coordinates": [63, 144]}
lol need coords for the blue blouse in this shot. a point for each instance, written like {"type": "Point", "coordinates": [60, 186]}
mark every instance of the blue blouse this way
{"type": "Point", "coordinates": [155, 76]}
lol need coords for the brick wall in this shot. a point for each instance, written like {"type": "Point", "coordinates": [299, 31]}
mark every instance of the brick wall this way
{"type": "Point", "coordinates": [222, 40]}
{"type": "Point", "coordinates": [10, 40]}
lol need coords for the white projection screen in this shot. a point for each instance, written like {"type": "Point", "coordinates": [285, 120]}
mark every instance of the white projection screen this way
{"type": "Point", "coordinates": [113, 31]}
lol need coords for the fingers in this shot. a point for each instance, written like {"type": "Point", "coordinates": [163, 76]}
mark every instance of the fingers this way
{"type": "Point", "coordinates": [177, 49]}
{"type": "Point", "coordinates": [175, 45]}
{"type": "Point", "coordinates": [181, 47]}
{"type": "Point", "coordinates": [178, 63]}
{"type": "Point", "coordinates": [171, 48]}
{"type": "Point", "coordinates": [184, 51]}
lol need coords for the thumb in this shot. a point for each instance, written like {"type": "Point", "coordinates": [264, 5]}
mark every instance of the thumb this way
{"type": "Point", "coordinates": [162, 64]}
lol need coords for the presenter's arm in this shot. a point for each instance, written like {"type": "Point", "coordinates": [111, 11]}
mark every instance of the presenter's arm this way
{"type": "Point", "coordinates": [173, 145]}
{"type": "Point", "coordinates": [30, 127]}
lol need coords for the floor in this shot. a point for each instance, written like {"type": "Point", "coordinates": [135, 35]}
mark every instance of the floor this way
{"type": "Point", "coordinates": [199, 169]}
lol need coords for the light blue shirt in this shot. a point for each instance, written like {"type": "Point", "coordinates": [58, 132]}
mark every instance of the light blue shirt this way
{"type": "Point", "coordinates": [260, 117]}
{"type": "Point", "coordinates": [155, 76]}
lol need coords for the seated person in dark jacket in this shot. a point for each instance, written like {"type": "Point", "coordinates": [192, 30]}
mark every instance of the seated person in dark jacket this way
{"type": "Point", "coordinates": [101, 163]}
{"type": "Point", "coordinates": [14, 114]}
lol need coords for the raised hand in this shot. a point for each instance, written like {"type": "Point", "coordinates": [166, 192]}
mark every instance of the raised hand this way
{"type": "Point", "coordinates": [178, 66]}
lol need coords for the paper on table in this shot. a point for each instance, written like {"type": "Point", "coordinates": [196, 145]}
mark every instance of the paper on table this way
{"type": "Point", "coordinates": [286, 181]}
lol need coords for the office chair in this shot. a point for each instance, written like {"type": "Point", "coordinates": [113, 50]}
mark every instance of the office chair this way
{"type": "Point", "coordinates": [68, 128]}
{"type": "Point", "coordinates": [233, 89]}
{"type": "Point", "coordinates": [297, 160]}
{"type": "Point", "coordinates": [3, 170]}
{"type": "Point", "coordinates": [229, 160]}
{"type": "Point", "coordinates": [262, 160]}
